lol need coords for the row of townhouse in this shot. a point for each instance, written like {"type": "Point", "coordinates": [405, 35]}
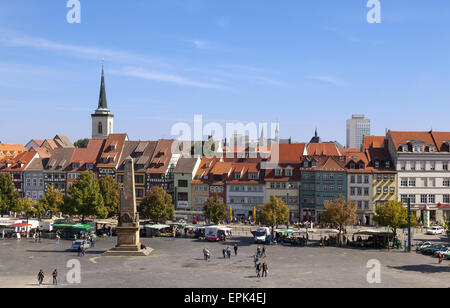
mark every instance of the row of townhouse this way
{"type": "Point", "coordinates": [32, 171]}
{"type": "Point", "coordinates": [400, 166]}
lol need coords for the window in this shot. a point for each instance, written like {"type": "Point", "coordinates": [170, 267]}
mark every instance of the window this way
{"type": "Point", "coordinates": [446, 183]}
{"type": "Point", "coordinates": [404, 182]}
{"type": "Point", "coordinates": [182, 183]}
{"type": "Point", "coordinates": [378, 190]}
{"type": "Point", "coordinates": [359, 179]}
{"type": "Point", "coordinates": [278, 172]}
{"type": "Point", "coordinates": [385, 190]}
{"type": "Point", "coordinates": [352, 191]}
{"type": "Point", "coordinates": [100, 128]}
{"type": "Point", "coordinates": [237, 175]}
{"type": "Point", "coordinates": [359, 191]}
{"type": "Point", "coordinates": [377, 164]}
{"type": "Point", "coordinates": [392, 177]}
{"type": "Point", "coordinates": [288, 172]}
{"type": "Point", "coordinates": [28, 182]}
{"type": "Point", "coordinates": [253, 176]}
{"type": "Point", "coordinates": [139, 193]}
{"type": "Point", "coordinates": [139, 179]}
{"type": "Point", "coordinates": [388, 165]}
{"type": "Point", "coordinates": [431, 198]}
{"type": "Point", "coordinates": [412, 182]}
{"type": "Point", "coordinates": [412, 198]}
{"type": "Point", "coordinates": [182, 196]}
{"type": "Point", "coordinates": [352, 179]}
{"type": "Point", "coordinates": [404, 199]}
{"type": "Point", "coordinates": [445, 166]}
{"type": "Point", "coordinates": [366, 191]}
{"type": "Point", "coordinates": [359, 205]}
{"type": "Point", "coordinates": [366, 205]}
{"type": "Point", "coordinates": [379, 177]}
{"type": "Point", "coordinates": [423, 199]}
{"type": "Point", "coordinates": [392, 189]}
{"type": "Point", "coordinates": [366, 179]}
{"type": "Point", "coordinates": [446, 199]}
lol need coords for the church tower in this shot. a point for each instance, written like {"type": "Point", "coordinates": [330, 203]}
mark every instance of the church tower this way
{"type": "Point", "coordinates": [102, 119]}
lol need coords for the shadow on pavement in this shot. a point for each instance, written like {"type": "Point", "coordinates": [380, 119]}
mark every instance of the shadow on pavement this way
{"type": "Point", "coordinates": [423, 268]}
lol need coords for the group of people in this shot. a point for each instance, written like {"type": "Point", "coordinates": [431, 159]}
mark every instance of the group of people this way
{"type": "Point", "coordinates": [260, 267]}
{"type": "Point", "coordinates": [41, 277]}
{"type": "Point", "coordinates": [227, 251]}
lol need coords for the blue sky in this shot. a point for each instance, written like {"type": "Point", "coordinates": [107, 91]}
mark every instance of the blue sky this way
{"type": "Point", "coordinates": [304, 63]}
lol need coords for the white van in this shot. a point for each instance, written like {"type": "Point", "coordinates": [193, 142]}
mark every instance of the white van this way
{"type": "Point", "coordinates": [261, 234]}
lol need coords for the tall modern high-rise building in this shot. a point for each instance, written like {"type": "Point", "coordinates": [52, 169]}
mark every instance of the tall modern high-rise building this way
{"type": "Point", "coordinates": [357, 128]}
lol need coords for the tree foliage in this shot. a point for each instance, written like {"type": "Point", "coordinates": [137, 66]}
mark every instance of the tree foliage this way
{"type": "Point", "coordinates": [52, 201]}
{"type": "Point", "coordinates": [26, 206]}
{"type": "Point", "coordinates": [393, 215]}
{"type": "Point", "coordinates": [157, 205]}
{"type": "Point", "coordinates": [339, 213]}
{"type": "Point", "coordinates": [84, 198]}
{"type": "Point", "coordinates": [273, 213]}
{"type": "Point", "coordinates": [82, 143]}
{"type": "Point", "coordinates": [8, 193]}
{"type": "Point", "coordinates": [214, 210]}
{"type": "Point", "coordinates": [110, 191]}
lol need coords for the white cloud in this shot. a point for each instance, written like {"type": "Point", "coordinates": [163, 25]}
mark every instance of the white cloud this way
{"type": "Point", "coordinates": [164, 77]}
{"type": "Point", "coordinates": [330, 79]}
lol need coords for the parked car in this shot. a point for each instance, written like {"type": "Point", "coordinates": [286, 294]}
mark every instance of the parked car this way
{"type": "Point", "coordinates": [432, 249]}
{"type": "Point", "coordinates": [447, 255]}
{"type": "Point", "coordinates": [435, 230]}
{"type": "Point", "coordinates": [443, 251]}
{"type": "Point", "coordinates": [80, 243]}
{"type": "Point", "coordinates": [423, 245]}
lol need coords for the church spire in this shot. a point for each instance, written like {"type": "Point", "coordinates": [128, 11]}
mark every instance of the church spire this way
{"type": "Point", "coordinates": [102, 104]}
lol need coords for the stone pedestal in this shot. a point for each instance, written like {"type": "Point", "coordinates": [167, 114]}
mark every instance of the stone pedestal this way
{"type": "Point", "coordinates": [128, 243]}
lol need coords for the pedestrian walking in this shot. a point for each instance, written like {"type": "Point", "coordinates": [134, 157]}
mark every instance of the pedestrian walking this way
{"type": "Point", "coordinates": [83, 251]}
{"type": "Point", "coordinates": [264, 269]}
{"type": "Point", "coordinates": [255, 260]}
{"type": "Point", "coordinates": [55, 277]}
{"type": "Point", "coordinates": [229, 252]}
{"type": "Point", "coordinates": [79, 250]}
{"type": "Point", "coordinates": [57, 239]}
{"type": "Point", "coordinates": [258, 251]}
{"type": "Point", "coordinates": [40, 277]}
{"type": "Point", "coordinates": [440, 256]}
{"type": "Point", "coordinates": [263, 253]}
{"type": "Point", "coordinates": [224, 252]}
{"type": "Point", "coordinates": [235, 249]}
{"type": "Point", "coordinates": [93, 241]}
{"type": "Point", "coordinates": [258, 270]}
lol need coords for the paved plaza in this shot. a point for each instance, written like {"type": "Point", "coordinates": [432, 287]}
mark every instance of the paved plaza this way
{"type": "Point", "coordinates": [179, 263]}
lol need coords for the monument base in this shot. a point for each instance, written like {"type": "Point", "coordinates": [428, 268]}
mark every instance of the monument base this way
{"type": "Point", "coordinates": [122, 252]}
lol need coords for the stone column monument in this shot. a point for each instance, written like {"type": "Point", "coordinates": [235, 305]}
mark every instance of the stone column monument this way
{"type": "Point", "coordinates": [128, 243]}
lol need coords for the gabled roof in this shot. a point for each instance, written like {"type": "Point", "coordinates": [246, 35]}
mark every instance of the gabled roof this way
{"type": "Point", "coordinates": [442, 140]}
{"type": "Point", "coordinates": [403, 138]}
{"type": "Point", "coordinates": [59, 160]}
{"type": "Point", "coordinates": [88, 155]}
{"type": "Point", "coordinates": [11, 150]}
{"type": "Point", "coordinates": [288, 153]}
{"type": "Point", "coordinates": [325, 148]}
{"type": "Point", "coordinates": [108, 151]}
{"type": "Point", "coordinates": [325, 163]}
{"type": "Point", "coordinates": [161, 157]}
{"type": "Point", "coordinates": [23, 158]}
{"type": "Point", "coordinates": [186, 165]}
{"type": "Point", "coordinates": [62, 141]}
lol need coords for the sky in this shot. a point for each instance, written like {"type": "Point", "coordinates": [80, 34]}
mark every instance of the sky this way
{"type": "Point", "coordinates": [303, 63]}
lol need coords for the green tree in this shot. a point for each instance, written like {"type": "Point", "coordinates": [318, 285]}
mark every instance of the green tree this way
{"type": "Point", "coordinates": [339, 213]}
{"type": "Point", "coordinates": [82, 143]}
{"type": "Point", "coordinates": [214, 210]}
{"type": "Point", "coordinates": [394, 216]}
{"type": "Point", "coordinates": [26, 206]}
{"type": "Point", "coordinates": [157, 205]}
{"type": "Point", "coordinates": [84, 198]}
{"type": "Point", "coordinates": [110, 191]}
{"type": "Point", "coordinates": [273, 213]}
{"type": "Point", "coordinates": [52, 201]}
{"type": "Point", "coordinates": [8, 193]}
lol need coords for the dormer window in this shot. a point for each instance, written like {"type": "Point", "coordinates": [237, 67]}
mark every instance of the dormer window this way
{"type": "Point", "coordinates": [278, 172]}
{"type": "Point", "coordinates": [253, 176]}
{"type": "Point", "coordinates": [431, 149]}
{"type": "Point", "coordinates": [75, 165]}
{"type": "Point", "coordinates": [352, 165]}
{"type": "Point", "coordinates": [388, 165]}
{"type": "Point", "coordinates": [377, 164]}
{"type": "Point", "coordinates": [404, 148]}
{"type": "Point", "coordinates": [237, 175]}
{"type": "Point", "coordinates": [288, 172]}
{"type": "Point", "coordinates": [314, 164]}
{"type": "Point", "coordinates": [361, 165]}
{"type": "Point", "coordinates": [90, 166]}
{"type": "Point", "coordinates": [305, 164]}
